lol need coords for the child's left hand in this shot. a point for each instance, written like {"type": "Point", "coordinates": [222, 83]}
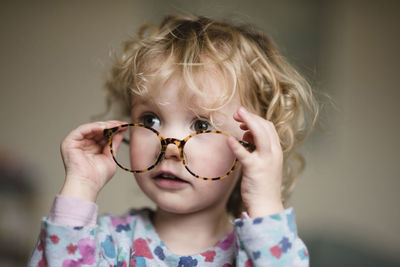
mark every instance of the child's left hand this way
{"type": "Point", "coordinates": [262, 168]}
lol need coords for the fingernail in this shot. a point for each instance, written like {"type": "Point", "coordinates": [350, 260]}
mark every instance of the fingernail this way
{"type": "Point", "coordinates": [242, 111]}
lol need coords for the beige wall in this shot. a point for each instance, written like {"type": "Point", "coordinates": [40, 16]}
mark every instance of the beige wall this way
{"type": "Point", "coordinates": [350, 190]}
{"type": "Point", "coordinates": [54, 58]}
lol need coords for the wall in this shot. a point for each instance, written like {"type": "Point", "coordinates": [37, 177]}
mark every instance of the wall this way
{"type": "Point", "coordinates": [349, 193]}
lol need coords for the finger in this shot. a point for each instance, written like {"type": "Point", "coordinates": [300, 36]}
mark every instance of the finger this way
{"type": "Point", "coordinates": [273, 135]}
{"type": "Point", "coordinates": [243, 127]}
{"type": "Point", "coordinates": [100, 126]}
{"type": "Point", "coordinates": [248, 137]}
{"type": "Point", "coordinates": [237, 117]}
{"type": "Point", "coordinates": [254, 124]}
{"type": "Point", "coordinates": [92, 130]}
{"type": "Point", "coordinates": [240, 152]}
{"type": "Point", "coordinates": [100, 135]}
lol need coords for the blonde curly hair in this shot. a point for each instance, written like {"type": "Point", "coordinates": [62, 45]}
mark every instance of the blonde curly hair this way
{"type": "Point", "coordinates": [266, 84]}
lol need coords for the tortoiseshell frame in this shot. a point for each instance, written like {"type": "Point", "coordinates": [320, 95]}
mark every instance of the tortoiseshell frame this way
{"type": "Point", "coordinates": [109, 134]}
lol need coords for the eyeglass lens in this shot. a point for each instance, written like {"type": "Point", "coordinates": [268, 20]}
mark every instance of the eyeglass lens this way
{"type": "Point", "coordinates": [206, 154]}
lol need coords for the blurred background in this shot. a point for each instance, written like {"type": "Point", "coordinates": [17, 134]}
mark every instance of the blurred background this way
{"type": "Point", "coordinates": [55, 57]}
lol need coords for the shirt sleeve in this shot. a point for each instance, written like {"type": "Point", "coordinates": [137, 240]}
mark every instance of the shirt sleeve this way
{"type": "Point", "coordinates": [69, 236]}
{"type": "Point", "coordinates": [73, 211]}
{"type": "Point", "coordinates": [270, 241]}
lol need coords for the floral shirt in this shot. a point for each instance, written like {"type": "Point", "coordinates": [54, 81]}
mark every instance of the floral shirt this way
{"type": "Point", "coordinates": [71, 237]}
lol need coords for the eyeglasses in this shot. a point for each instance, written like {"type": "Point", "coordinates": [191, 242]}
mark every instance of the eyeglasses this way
{"type": "Point", "coordinates": [205, 154]}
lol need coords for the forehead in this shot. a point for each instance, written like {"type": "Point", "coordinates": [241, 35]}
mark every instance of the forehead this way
{"type": "Point", "coordinates": [201, 88]}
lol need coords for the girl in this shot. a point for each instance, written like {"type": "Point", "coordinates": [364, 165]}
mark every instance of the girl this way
{"type": "Point", "coordinates": [215, 114]}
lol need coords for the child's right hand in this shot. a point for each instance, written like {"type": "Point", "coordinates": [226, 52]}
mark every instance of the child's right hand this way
{"type": "Point", "coordinates": [87, 160]}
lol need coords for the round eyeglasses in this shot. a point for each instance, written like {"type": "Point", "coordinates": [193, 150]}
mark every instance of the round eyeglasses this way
{"type": "Point", "coordinates": [205, 154]}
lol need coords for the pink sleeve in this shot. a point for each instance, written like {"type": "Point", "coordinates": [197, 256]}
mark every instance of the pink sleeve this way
{"type": "Point", "coordinates": [72, 211]}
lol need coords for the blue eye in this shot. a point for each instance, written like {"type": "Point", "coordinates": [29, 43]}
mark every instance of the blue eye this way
{"type": "Point", "coordinates": [201, 125]}
{"type": "Point", "coordinates": [150, 120]}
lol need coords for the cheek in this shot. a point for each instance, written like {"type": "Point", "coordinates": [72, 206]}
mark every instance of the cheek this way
{"type": "Point", "coordinates": [142, 180]}
{"type": "Point", "coordinates": [144, 152]}
{"type": "Point", "coordinates": [222, 189]}
{"type": "Point", "coordinates": [233, 179]}
{"type": "Point", "coordinates": [208, 155]}
{"type": "Point", "coordinates": [222, 165]}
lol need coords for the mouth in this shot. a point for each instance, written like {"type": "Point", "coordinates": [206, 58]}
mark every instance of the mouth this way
{"type": "Point", "coordinates": [168, 177]}
{"type": "Point", "coordinates": [168, 180]}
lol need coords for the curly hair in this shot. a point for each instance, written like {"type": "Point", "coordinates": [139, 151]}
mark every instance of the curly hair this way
{"type": "Point", "coordinates": [265, 82]}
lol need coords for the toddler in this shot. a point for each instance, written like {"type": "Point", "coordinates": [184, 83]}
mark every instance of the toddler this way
{"type": "Point", "coordinates": [215, 114]}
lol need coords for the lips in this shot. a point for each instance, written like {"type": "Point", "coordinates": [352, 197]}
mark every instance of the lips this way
{"type": "Point", "coordinates": [168, 180]}
{"type": "Point", "coordinates": [168, 177]}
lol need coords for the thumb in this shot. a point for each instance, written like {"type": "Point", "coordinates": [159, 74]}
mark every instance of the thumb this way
{"type": "Point", "coordinates": [240, 152]}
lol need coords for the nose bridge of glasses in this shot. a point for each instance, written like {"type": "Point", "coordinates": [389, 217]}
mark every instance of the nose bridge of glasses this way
{"type": "Point", "coordinates": [173, 141]}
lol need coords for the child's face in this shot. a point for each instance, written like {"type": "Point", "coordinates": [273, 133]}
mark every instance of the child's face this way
{"type": "Point", "coordinates": [166, 112]}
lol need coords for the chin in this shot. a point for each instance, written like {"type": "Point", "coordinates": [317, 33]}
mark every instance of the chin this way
{"type": "Point", "coordinates": [176, 206]}
{"type": "Point", "coordinates": [196, 198]}
{"type": "Point", "coordinates": [174, 209]}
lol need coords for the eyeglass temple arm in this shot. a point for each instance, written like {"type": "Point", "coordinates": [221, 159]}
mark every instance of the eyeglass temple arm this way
{"type": "Point", "coordinates": [108, 132]}
{"type": "Point", "coordinates": [248, 146]}
{"type": "Point", "coordinates": [125, 141]}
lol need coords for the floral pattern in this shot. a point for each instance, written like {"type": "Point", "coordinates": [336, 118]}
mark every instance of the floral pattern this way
{"type": "Point", "coordinates": [131, 241]}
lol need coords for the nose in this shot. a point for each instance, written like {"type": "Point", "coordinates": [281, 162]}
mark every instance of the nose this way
{"type": "Point", "coordinates": [172, 150]}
